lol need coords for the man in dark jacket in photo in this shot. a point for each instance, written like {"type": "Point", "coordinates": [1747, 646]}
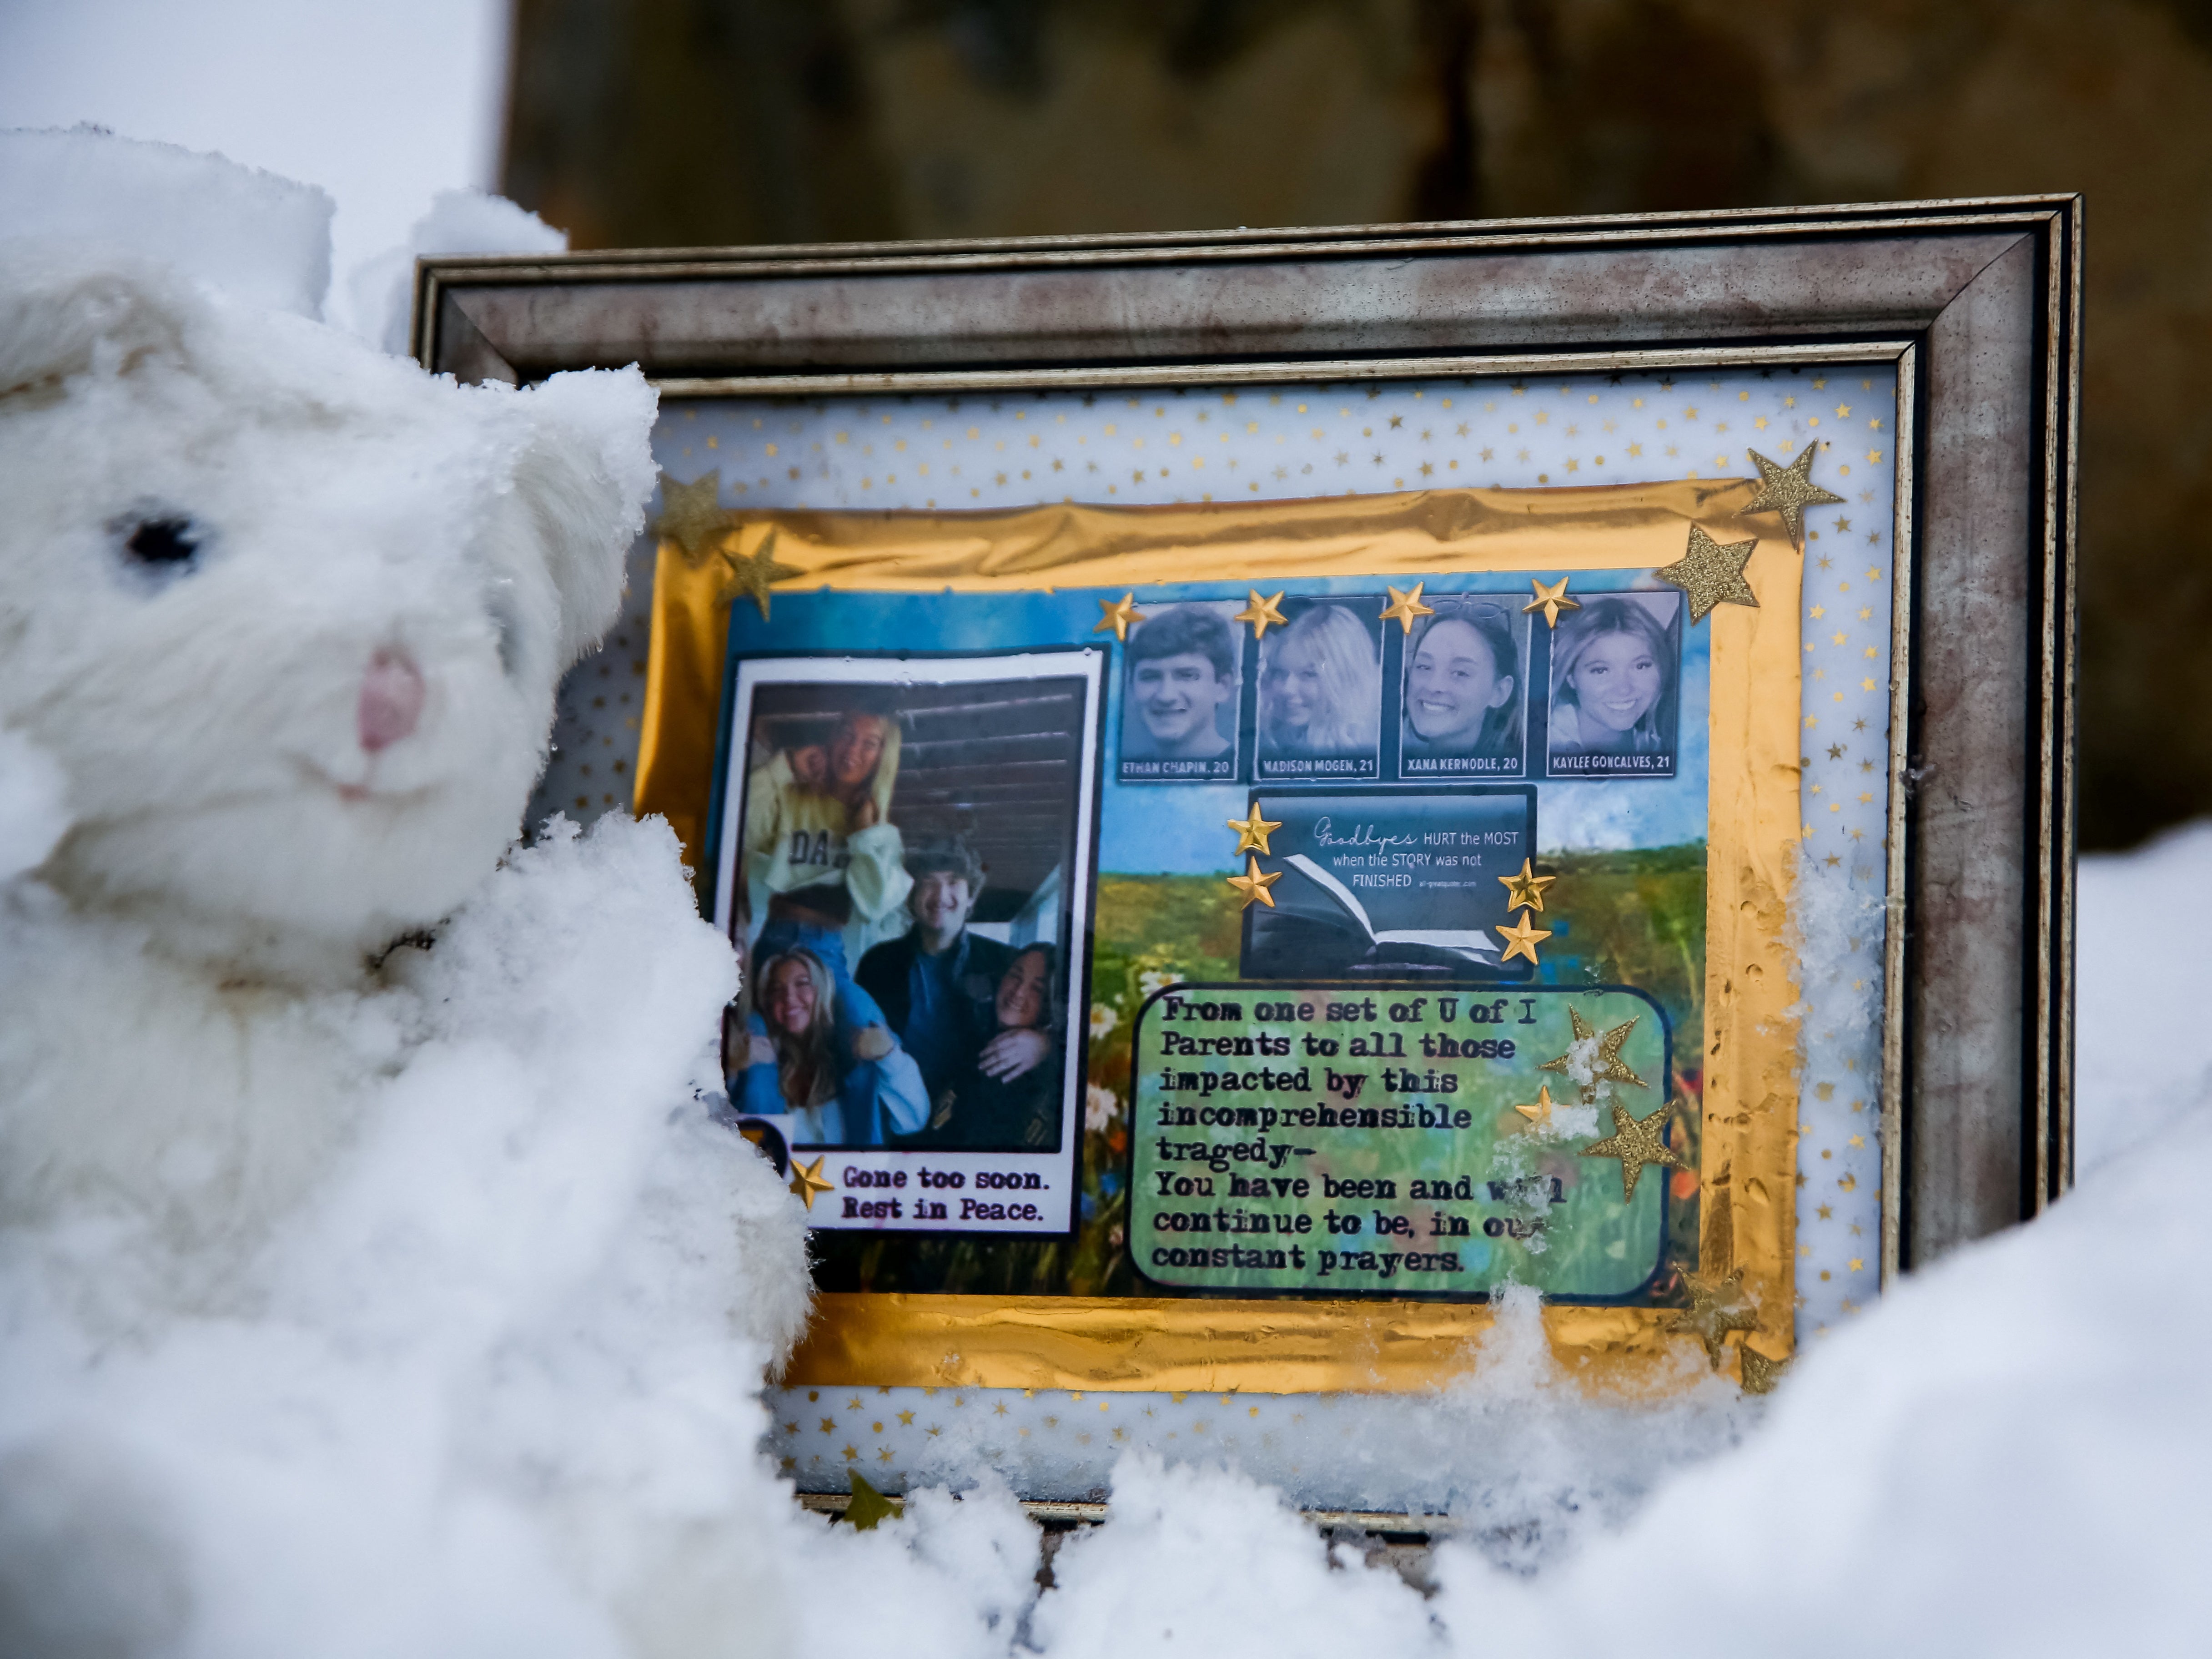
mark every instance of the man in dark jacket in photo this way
{"type": "Point", "coordinates": [937, 983]}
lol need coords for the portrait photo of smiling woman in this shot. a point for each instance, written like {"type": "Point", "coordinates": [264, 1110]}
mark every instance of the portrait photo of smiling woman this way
{"type": "Point", "coordinates": [1179, 696]}
{"type": "Point", "coordinates": [1320, 691]}
{"type": "Point", "coordinates": [1616, 673]}
{"type": "Point", "coordinates": [1463, 692]}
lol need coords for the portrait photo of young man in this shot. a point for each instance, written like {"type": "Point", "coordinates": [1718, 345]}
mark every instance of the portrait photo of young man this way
{"type": "Point", "coordinates": [1179, 702]}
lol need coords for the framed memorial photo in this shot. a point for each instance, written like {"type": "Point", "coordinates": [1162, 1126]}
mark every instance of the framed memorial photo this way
{"type": "Point", "coordinates": [1272, 785]}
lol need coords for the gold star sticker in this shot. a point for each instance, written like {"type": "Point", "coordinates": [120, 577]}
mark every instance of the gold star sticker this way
{"type": "Point", "coordinates": [1404, 607]}
{"type": "Point", "coordinates": [749, 578]}
{"type": "Point", "coordinates": [1635, 1141]}
{"type": "Point", "coordinates": [1711, 574]}
{"type": "Point", "coordinates": [1119, 615]}
{"type": "Point", "coordinates": [691, 516]}
{"type": "Point", "coordinates": [1253, 885]}
{"type": "Point", "coordinates": [1788, 491]}
{"type": "Point", "coordinates": [1252, 833]}
{"type": "Point", "coordinates": [1760, 1374]}
{"type": "Point", "coordinates": [1520, 940]}
{"type": "Point", "coordinates": [1608, 1066]}
{"type": "Point", "coordinates": [807, 1179]}
{"type": "Point", "coordinates": [1526, 890]}
{"type": "Point", "coordinates": [1539, 1110]}
{"type": "Point", "coordinates": [869, 1509]}
{"type": "Point", "coordinates": [1551, 600]}
{"type": "Point", "coordinates": [1716, 1307]}
{"type": "Point", "coordinates": [1261, 611]}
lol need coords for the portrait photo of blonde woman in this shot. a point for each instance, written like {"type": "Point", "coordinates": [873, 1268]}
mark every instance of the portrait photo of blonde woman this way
{"type": "Point", "coordinates": [1320, 691]}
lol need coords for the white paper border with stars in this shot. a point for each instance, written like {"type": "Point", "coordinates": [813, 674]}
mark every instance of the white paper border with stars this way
{"type": "Point", "coordinates": [1185, 445]}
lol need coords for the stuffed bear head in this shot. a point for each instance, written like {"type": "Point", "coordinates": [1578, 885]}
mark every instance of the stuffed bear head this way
{"type": "Point", "coordinates": [289, 613]}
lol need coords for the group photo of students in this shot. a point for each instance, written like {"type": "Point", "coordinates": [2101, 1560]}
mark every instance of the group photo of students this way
{"type": "Point", "coordinates": [902, 918]}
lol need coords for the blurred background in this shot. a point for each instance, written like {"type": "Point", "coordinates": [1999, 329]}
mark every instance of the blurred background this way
{"type": "Point", "coordinates": [698, 122]}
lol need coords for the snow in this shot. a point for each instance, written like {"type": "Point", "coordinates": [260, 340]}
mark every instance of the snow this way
{"type": "Point", "coordinates": [458, 221]}
{"type": "Point", "coordinates": [34, 804]}
{"type": "Point", "coordinates": [262, 239]}
{"type": "Point", "coordinates": [2142, 1056]}
{"type": "Point", "coordinates": [501, 1365]}
{"type": "Point", "coordinates": [381, 106]}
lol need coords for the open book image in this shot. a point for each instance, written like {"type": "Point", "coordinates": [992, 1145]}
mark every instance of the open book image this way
{"type": "Point", "coordinates": [1375, 884]}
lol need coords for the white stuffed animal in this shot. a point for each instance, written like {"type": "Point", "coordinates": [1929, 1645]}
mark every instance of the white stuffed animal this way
{"type": "Point", "coordinates": [359, 1225]}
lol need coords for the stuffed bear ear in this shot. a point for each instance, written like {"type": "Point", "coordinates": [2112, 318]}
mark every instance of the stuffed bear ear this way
{"type": "Point", "coordinates": [586, 474]}
{"type": "Point", "coordinates": [60, 316]}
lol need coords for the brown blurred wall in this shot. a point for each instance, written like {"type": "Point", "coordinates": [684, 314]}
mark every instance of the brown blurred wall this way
{"type": "Point", "coordinates": [699, 122]}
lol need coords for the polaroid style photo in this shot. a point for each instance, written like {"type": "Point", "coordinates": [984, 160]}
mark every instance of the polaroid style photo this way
{"type": "Point", "coordinates": [905, 870]}
{"type": "Point", "coordinates": [1179, 695]}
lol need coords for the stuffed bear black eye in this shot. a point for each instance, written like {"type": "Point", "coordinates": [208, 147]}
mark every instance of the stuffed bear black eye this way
{"type": "Point", "coordinates": [164, 543]}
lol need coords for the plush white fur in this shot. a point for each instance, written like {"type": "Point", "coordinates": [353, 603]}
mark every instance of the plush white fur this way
{"type": "Point", "coordinates": [361, 1228]}
{"type": "Point", "coordinates": [345, 505]}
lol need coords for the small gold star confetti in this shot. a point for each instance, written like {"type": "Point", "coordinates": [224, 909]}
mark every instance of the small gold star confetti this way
{"type": "Point", "coordinates": [1551, 600]}
{"type": "Point", "coordinates": [1760, 1374]}
{"type": "Point", "coordinates": [1607, 1066]}
{"type": "Point", "coordinates": [690, 515]}
{"type": "Point", "coordinates": [1526, 890]}
{"type": "Point", "coordinates": [1635, 1141]}
{"type": "Point", "coordinates": [749, 578]}
{"type": "Point", "coordinates": [1519, 939]}
{"type": "Point", "coordinates": [1119, 615]}
{"type": "Point", "coordinates": [1252, 833]}
{"type": "Point", "coordinates": [1260, 612]}
{"type": "Point", "coordinates": [1788, 490]}
{"type": "Point", "coordinates": [1404, 607]}
{"type": "Point", "coordinates": [807, 1179]}
{"type": "Point", "coordinates": [1539, 1109]}
{"type": "Point", "coordinates": [1716, 1307]}
{"type": "Point", "coordinates": [1711, 574]}
{"type": "Point", "coordinates": [1253, 885]}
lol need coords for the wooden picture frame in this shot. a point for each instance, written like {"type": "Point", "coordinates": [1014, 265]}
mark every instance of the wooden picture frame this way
{"type": "Point", "coordinates": [1973, 306]}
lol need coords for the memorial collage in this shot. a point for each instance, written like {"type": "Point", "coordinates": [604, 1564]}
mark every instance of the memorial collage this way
{"type": "Point", "coordinates": [969, 884]}
{"type": "Point", "coordinates": [1307, 897]}
{"type": "Point", "coordinates": [1390, 845]}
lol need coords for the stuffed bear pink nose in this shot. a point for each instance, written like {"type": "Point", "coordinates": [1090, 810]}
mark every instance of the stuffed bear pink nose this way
{"type": "Point", "coordinates": [391, 700]}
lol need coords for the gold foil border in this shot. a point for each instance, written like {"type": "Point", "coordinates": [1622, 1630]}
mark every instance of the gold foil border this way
{"type": "Point", "coordinates": [1292, 1345]}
